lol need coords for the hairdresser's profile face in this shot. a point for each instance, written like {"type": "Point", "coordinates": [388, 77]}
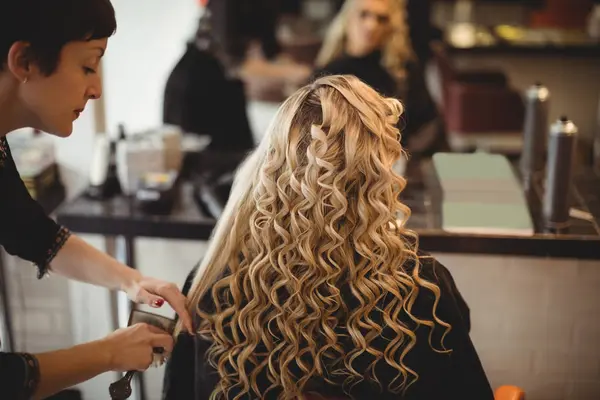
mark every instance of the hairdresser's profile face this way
{"type": "Point", "coordinates": [368, 26]}
{"type": "Point", "coordinates": [55, 101]}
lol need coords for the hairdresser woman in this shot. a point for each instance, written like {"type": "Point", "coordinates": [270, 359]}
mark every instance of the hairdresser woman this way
{"type": "Point", "coordinates": [50, 52]}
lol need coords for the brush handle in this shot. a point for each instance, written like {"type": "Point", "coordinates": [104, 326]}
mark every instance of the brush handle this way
{"type": "Point", "coordinates": [121, 389]}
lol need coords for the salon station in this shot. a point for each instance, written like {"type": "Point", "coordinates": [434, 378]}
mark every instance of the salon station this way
{"type": "Point", "coordinates": [501, 129]}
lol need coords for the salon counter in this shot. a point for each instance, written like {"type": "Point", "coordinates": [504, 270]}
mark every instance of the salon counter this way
{"type": "Point", "coordinates": [581, 240]}
{"type": "Point", "coordinates": [119, 217]}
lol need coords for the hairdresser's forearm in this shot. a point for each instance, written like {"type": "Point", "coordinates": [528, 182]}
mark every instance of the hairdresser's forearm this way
{"type": "Point", "coordinates": [65, 368]}
{"type": "Point", "coordinates": [82, 262]}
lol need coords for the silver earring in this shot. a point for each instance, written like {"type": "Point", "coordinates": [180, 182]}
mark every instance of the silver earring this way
{"type": "Point", "coordinates": [25, 80]}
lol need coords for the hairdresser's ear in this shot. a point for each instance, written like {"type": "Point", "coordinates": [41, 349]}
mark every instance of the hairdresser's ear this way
{"type": "Point", "coordinates": [18, 61]}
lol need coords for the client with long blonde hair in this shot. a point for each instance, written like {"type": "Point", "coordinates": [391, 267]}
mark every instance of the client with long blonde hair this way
{"type": "Point", "coordinates": [311, 283]}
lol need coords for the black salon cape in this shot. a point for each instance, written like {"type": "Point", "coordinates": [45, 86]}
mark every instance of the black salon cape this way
{"type": "Point", "coordinates": [26, 232]}
{"type": "Point", "coordinates": [459, 375]}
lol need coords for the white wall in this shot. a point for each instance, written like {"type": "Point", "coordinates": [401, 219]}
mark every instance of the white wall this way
{"type": "Point", "coordinates": [74, 154]}
{"type": "Point", "coordinates": [151, 36]}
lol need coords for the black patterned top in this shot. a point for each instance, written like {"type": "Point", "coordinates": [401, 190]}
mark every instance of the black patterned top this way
{"type": "Point", "coordinates": [28, 233]}
{"type": "Point", "coordinates": [3, 150]}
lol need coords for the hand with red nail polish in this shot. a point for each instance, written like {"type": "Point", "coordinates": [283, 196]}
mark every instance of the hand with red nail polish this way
{"type": "Point", "coordinates": [154, 292]}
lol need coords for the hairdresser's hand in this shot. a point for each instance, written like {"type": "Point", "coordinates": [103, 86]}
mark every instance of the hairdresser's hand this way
{"type": "Point", "coordinates": [130, 349]}
{"type": "Point", "coordinates": [154, 292]}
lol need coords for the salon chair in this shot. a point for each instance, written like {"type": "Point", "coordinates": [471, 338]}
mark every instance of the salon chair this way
{"type": "Point", "coordinates": [479, 108]}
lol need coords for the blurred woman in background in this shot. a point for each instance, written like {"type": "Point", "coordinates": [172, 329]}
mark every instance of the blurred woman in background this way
{"type": "Point", "coordinates": [311, 284]}
{"type": "Point", "coordinates": [368, 39]}
{"type": "Point", "coordinates": [371, 40]}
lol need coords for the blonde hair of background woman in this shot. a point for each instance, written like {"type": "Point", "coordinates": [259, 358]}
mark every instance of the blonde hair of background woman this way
{"type": "Point", "coordinates": [313, 208]}
{"type": "Point", "coordinates": [396, 51]}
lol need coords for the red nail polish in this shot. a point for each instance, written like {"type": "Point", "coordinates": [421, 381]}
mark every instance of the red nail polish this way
{"type": "Point", "coordinates": [158, 302]}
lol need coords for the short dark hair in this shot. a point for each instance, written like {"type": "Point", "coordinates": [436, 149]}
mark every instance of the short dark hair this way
{"type": "Point", "coordinates": [48, 25]}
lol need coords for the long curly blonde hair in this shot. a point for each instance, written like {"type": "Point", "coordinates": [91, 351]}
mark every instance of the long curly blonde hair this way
{"type": "Point", "coordinates": [396, 51]}
{"type": "Point", "coordinates": [312, 210]}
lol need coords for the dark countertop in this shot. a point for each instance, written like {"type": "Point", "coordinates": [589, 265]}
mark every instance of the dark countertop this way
{"type": "Point", "coordinates": [119, 217]}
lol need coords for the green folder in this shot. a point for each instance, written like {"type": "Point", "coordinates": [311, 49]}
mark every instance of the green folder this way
{"type": "Point", "coordinates": [480, 218]}
{"type": "Point", "coordinates": [481, 195]}
{"type": "Point", "coordinates": [477, 166]}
